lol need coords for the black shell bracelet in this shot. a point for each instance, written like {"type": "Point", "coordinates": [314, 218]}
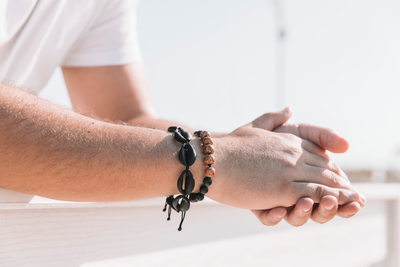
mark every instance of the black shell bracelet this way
{"type": "Point", "coordinates": [186, 182]}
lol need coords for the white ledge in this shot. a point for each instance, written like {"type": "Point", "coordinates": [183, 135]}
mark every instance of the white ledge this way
{"type": "Point", "coordinates": [379, 191]}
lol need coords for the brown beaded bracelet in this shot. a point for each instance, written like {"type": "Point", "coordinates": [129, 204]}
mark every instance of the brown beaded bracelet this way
{"type": "Point", "coordinates": [187, 156]}
{"type": "Point", "coordinates": [209, 159]}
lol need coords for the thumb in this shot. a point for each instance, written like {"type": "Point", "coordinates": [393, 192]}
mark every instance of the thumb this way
{"type": "Point", "coordinates": [271, 120]}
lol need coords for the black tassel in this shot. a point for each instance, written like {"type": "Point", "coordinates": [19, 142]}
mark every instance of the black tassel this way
{"type": "Point", "coordinates": [182, 219]}
{"type": "Point", "coordinates": [169, 213]}
{"type": "Point", "coordinates": [165, 207]}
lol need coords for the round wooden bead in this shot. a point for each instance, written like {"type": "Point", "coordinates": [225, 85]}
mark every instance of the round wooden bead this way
{"type": "Point", "coordinates": [207, 181]}
{"type": "Point", "coordinates": [203, 189]}
{"type": "Point", "coordinates": [204, 134]}
{"type": "Point", "coordinates": [208, 149]}
{"type": "Point", "coordinates": [208, 141]}
{"type": "Point", "coordinates": [210, 172]}
{"type": "Point", "coordinates": [209, 159]}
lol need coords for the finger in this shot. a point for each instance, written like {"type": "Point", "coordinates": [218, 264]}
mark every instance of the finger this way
{"type": "Point", "coordinates": [300, 213]}
{"type": "Point", "coordinates": [326, 210]}
{"type": "Point", "coordinates": [271, 120]}
{"type": "Point", "coordinates": [349, 210]}
{"type": "Point", "coordinates": [317, 191]}
{"type": "Point", "coordinates": [270, 217]}
{"type": "Point", "coordinates": [323, 176]}
{"type": "Point", "coordinates": [323, 137]}
{"type": "Point", "coordinates": [363, 200]}
{"type": "Point", "coordinates": [313, 148]}
{"type": "Point", "coordinates": [324, 163]}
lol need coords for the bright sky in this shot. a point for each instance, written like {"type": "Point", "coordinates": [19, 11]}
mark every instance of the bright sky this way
{"type": "Point", "coordinates": [211, 64]}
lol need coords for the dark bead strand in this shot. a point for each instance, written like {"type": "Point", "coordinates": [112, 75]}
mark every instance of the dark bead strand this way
{"type": "Point", "coordinates": [187, 156]}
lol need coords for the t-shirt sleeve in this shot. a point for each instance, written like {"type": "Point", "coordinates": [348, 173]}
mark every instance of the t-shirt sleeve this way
{"type": "Point", "coordinates": [110, 40]}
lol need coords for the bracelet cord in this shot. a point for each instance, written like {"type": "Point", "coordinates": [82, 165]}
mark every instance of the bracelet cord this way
{"type": "Point", "coordinates": [187, 156]}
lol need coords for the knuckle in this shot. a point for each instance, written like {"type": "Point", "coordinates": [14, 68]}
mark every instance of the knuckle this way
{"type": "Point", "coordinates": [345, 196]}
{"type": "Point", "coordinates": [334, 166]}
{"type": "Point", "coordinates": [335, 180]}
{"type": "Point", "coordinates": [318, 192]}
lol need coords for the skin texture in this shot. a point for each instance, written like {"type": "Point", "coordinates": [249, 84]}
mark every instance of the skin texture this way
{"type": "Point", "coordinates": [56, 153]}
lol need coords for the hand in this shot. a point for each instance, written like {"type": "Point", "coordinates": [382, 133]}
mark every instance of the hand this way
{"type": "Point", "coordinates": [328, 207]}
{"type": "Point", "coordinates": [258, 169]}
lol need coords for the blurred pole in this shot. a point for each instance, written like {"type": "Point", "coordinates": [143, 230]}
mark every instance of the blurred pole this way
{"type": "Point", "coordinates": [393, 235]}
{"type": "Point", "coordinates": [280, 57]}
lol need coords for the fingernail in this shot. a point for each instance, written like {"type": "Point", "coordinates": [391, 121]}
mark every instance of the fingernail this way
{"type": "Point", "coordinates": [279, 217]}
{"type": "Point", "coordinates": [330, 207]}
{"type": "Point", "coordinates": [355, 196]}
{"type": "Point", "coordinates": [363, 199]}
{"type": "Point", "coordinates": [350, 215]}
{"type": "Point", "coordinates": [307, 210]}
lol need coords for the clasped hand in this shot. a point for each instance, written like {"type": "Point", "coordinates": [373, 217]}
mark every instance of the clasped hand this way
{"type": "Point", "coordinates": [282, 170]}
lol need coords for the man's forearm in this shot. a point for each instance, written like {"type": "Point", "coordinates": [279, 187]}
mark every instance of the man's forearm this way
{"type": "Point", "coordinates": [53, 152]}
{"type": "Point", "coordinates": [56, 153]}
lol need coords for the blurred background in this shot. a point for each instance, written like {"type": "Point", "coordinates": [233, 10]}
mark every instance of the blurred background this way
{"type": "Point", "coordinates": [336, 63]}
{"type": "Point", "coordinates": [225, 61]}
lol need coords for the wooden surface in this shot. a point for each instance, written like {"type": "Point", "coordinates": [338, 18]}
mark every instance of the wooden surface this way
{"type": "Point", "coordinates": [51, 233]}
{"type": "Point", "coordinates": [343, 245]}
{"type": "Point", "coordinates": [10, 196]}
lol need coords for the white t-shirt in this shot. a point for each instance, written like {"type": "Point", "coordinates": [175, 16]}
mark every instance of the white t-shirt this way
{"type": "Point", "coordinates": [36, 36]}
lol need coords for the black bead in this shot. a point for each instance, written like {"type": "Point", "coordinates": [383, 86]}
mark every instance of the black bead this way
{"type": "Point", "coordinates": [172, 129]}
{"type": "Point", "coordinates": [207, 181]}
{"type": "Point", "coordinates": [199, 197]}
{"type": "Point", "coordinates": [179, 137]}
{"type": "Point", "coordinates": [193, 197]}
{"type": "Point", "coordinates": [197, 133]}
{"type": "Point", "coordinates": [184, 204]}
{"type": "Point", "coordinates": [203, 189]}
{"type": "Point", "coordinates": [189, 182]}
